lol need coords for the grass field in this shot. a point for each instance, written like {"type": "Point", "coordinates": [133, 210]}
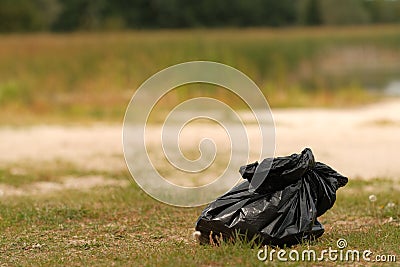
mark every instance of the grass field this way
{"type": "Point", "coordinates": [121, 225]}
{"type": "Point", "coordinates": [93, 75]}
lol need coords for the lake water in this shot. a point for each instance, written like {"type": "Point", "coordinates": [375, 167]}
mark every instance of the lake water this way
{"type": "Point", "coordinates": [393, 88]}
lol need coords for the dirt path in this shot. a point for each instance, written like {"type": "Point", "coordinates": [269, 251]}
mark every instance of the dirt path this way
{"type": "Point", "coordinates": [94, 148]}
{"type": "Point", "coordinates": [68, 182]}
{"type": "Point", "coordinates": [361, 142]}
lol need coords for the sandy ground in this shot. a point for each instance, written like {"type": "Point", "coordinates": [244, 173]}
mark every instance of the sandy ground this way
{"type": "Point", "coordinates": [69, 182]}
{"type": "Point", "coordinates": [361, 142]}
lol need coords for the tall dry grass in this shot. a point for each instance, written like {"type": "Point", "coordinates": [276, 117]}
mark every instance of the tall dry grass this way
{"type": "Point", "coordinates": [94, 74]}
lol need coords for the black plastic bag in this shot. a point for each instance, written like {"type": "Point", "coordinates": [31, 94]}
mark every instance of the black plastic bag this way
{"type": "Point", "coordinates": [278, 203]}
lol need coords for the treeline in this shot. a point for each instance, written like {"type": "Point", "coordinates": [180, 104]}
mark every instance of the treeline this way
{"type": "Point", "coordinates": [72, 15]}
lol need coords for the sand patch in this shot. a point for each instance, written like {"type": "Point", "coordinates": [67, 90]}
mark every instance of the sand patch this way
{"type": "Point", "coordinates": [359, 142]}
{"type": "Point", "coordinates": [68, 183]}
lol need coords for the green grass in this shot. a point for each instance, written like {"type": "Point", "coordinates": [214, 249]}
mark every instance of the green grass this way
{"type": "Point", "coordinates": [93, 75]}
{"type": "Point", "coordinates": [123, 226]}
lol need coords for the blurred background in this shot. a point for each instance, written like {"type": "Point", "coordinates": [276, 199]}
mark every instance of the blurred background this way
{"type": "Point", "coordinates": [330, 70]}
{"type": "Point", "coordinates": [83, 59]}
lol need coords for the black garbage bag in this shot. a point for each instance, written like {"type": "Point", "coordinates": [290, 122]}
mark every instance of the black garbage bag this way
{"type": "Point", "coordinates": [278, 204]}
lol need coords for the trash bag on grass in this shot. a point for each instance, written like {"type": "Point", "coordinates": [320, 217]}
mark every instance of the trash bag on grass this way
{"type": "Point", "coordinates": [279, 203]}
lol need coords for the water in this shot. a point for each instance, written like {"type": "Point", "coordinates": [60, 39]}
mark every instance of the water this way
{"type": "Point", "coordinates": [393, 88]}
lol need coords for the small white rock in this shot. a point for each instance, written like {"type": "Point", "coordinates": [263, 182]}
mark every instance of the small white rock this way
{"type": "Point", "coordinates": [37, 246]}
{"type": "Point", "coordinates": [196, 235]}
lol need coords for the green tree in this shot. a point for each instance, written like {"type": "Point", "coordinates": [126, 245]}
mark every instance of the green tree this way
{"type": "Point", "coordinates": [79, 14]}
{"type": "Point", "coordinates": [344, 12]}
{"type": "Point", "coordinates": [27, 15]}
{"type": "Point", "coordinates": [312, 12]}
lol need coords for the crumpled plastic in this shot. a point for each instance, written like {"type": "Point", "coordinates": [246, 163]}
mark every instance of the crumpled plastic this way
{"type": "Point", "coordinates": [277, 203]}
